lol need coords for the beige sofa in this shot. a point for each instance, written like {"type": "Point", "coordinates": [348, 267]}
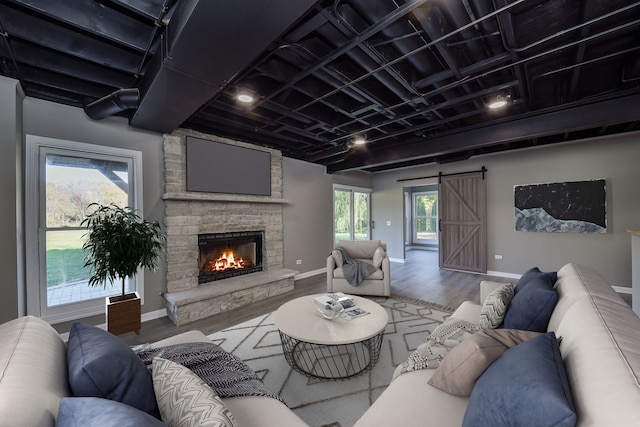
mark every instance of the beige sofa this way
{"type": "Point", "coordinates": [33, 379]}
{"type": "Point", "coordinates": [600, 347]}
{"type": "Point", "coordinates": [376, 284]}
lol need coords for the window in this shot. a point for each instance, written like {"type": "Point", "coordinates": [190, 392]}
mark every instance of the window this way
{"type": "Point", "coordinates": [62, 179]}
{"type": "Point", "coordinates": [351, 213]}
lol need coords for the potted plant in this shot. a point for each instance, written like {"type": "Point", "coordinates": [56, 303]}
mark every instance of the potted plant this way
{"type": "Point", "coordinates": [118, 243]}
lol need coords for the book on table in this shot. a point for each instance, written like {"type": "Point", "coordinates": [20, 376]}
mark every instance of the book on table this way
{"type": "Point", "coordinates": [350, 309]}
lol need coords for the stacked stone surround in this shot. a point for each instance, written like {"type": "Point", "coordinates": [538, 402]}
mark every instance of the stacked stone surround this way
{"type": "Point", "coordinates": [188, 214]}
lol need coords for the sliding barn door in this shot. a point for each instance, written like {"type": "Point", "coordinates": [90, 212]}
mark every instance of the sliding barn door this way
{"type": "Point", "coordinates": [463, 222]}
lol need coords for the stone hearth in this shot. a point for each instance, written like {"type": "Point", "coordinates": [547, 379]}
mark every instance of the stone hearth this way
{"type": "Point", "coordinates": [188, 214]}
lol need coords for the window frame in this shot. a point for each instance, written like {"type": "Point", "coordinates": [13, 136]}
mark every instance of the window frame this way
{"type": "Point", "coordinates": [414, 230]}
{"type": "Point", "coordinates": [352, 190]}
{"type": "Point", "coordinates": [35, 222]}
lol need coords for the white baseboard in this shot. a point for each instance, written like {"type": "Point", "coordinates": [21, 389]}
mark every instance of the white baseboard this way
{"type": "Point", "coordinates": [622, 290]}
{"type": "Point", "coordinates": [400, 260]}
{"type": "Point", "coordinates": [311, 273]}
{"type": "Point", "coordinates": [503, 274]}
{"type": "Point", "coordinates": [145, 317]}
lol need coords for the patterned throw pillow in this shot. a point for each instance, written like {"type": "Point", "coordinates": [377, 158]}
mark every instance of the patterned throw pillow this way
{"type": "Point", "coordinates": [495, 306]}
{"type": "Point", "coordinates": [185, 400]}
{"type": "Point", "coordinates": [443, 338]}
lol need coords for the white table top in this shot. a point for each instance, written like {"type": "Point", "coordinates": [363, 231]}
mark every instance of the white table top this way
{"type": "Point", "coordinates": [300, 320]}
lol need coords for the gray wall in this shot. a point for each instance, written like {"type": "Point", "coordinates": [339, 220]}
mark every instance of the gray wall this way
{"type": "Point", "coordinates": [308, 224]}
{"type": "Point", "coordinates": [12, 302]}
{"type": "Point", "coordinates": [308, 219]}
{"type": "Point", "coordinates": [614, 159]}
{"type": "Point", "coordinates": [52, 120]}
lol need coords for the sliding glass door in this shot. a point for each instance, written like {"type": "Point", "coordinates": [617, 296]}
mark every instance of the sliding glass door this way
{"type": "Point", "coordinates": [351, 213]}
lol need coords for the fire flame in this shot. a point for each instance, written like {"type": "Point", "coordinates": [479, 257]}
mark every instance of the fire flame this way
{"type": "Point", "coordinates": [226, 262]}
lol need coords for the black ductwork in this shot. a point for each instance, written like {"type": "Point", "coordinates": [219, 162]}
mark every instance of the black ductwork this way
{"type": "Point", "coordinates": [205, 45]}
{"type": "Point", "coordinates": [118, 101]}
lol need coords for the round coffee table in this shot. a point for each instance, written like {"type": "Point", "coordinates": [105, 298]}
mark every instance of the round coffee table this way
{"type": "Point", "coordinates": [330, 349]}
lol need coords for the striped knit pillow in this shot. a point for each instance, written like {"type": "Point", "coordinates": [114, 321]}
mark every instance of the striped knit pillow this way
{"type": "Point", "coordinates": [185, 400]}
{"type": "Point", "coordinates": [495, 306]}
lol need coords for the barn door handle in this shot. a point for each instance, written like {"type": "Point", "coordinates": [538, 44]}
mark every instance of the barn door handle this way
{"type": "Point", "coordinates": [440, 225]}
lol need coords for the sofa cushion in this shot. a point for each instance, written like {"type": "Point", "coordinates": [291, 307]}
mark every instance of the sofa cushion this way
{"type": "Point", "coordinates": [185, 400]}
{"type": "Point", "coordinates": [463, 365]}
{"type": "Point", "coordinates": [102, 365]}
{"type": "Point", "coordinates": [534, 273]}
{"type": "Point", "coordinates": [495, 306]}
{"type": "Point", "coordinates": [338, 273]}
{"type": "Point", "coordinates": [528, 382]}
{"type": "Point", "coordinates": [532, 306]}
{"type": "Point", "coordinates": [94, 411]}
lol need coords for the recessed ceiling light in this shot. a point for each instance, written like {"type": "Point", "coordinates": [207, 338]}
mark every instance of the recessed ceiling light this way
{"type": "Point", "coordinates": [499, 102]}
{"type": "Point", "coordinates": [359, 140]}
{"type": "Point", "coordinates": [245, 97]}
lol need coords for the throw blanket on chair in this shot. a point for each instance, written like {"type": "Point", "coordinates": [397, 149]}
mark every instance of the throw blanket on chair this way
{"type": "Point", "coordinates": [355, 271]}
{"type": "Point", "coordinates": [226, 374]}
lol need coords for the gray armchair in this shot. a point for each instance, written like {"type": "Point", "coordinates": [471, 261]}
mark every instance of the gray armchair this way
{"type": "Point", "coordinates": [373, 252]}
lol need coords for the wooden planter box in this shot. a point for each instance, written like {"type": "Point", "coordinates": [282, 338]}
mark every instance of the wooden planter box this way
{"type": "Point", "coordinates": [123, 313]}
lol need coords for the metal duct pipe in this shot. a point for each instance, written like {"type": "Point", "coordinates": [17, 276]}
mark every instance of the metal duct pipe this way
{"type": "Point", "coordinates": [120, 100]}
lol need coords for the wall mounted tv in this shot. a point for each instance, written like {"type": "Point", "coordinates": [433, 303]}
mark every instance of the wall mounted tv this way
{"type": "Point", "coordinates": [215, 167]}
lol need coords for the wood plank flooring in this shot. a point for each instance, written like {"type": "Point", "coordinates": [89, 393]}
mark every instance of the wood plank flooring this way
{"type": "Point", "coordinates": [418, 277]}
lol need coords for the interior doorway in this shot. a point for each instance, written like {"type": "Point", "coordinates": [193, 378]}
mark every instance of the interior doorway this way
{"type": "Point", "coordinates": [421, 218]}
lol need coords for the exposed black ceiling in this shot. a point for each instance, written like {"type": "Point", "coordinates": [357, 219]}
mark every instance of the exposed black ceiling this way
{"type": "Point", "coordinates": [413, 76]}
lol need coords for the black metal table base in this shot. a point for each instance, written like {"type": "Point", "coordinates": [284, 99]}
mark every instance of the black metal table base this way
{"type": "Point", "coordinates": [331, 362]}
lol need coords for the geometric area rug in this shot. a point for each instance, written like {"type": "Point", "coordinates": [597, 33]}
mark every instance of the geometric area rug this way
{"type": "Point", "coordinates": [332, 403]}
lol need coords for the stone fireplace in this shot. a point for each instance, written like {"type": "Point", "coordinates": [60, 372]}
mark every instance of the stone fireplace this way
{"type": "Point", "coordinates": [193, 218]}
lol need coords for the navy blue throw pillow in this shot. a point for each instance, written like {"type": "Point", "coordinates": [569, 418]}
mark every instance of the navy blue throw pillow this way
{"type": "Point", "coordinates": [526, 386]}
{"type": "Point", "coordinates": [102, 365]}
{"type": "Point", "coordinates": [94, 411]}
{"type": "Point", "coordinates": [531, 308]}
{"type": "Point", "coordinates": [533, 273]}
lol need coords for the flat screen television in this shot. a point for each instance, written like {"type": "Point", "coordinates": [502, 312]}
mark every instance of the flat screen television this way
{"type": "Point", "coordinates": [216, 167]}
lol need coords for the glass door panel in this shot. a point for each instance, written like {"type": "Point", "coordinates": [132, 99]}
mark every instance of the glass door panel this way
{"type": "Point", "coordinates": [361, 216]}
{"type": "Point", "coordinates": [425, 214]}
{"type": "Point", "coordinates": [341, 215]}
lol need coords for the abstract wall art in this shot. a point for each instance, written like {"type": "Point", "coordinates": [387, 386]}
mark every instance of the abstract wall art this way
{"type": "Point", "coordinates": [562, 207]}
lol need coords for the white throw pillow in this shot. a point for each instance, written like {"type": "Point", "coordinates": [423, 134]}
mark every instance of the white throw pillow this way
{"type": "Point", "coordinates": [378, 256]}
{"type": "Point", "coordinates": [185, 400]}
{"type": "Point", "coordinates": [495, 306]}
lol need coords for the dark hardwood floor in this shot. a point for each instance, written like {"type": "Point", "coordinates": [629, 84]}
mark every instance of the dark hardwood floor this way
{"type": "Point", "coordinates": [418, 277]}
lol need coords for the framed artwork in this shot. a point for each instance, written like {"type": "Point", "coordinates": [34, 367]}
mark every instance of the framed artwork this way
{"type": "Point", "coordinates": [562, 207]}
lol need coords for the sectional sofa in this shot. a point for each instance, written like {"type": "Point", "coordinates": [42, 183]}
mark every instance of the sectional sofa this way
{"type": "Point", "coordinates": [600, 347]}
{"type": "Point", "coordinates": [600, 350]}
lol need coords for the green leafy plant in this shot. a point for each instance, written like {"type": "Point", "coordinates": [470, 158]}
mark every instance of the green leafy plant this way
{"type": "Point", "coordinates": [118, 242]}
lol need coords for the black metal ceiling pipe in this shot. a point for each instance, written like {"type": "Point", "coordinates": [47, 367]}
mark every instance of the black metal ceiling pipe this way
{"type": "Point", "coordinates": [116, 102]}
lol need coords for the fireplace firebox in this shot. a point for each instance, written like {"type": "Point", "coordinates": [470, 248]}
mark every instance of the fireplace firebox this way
{"type": "Point", "coordinates": [224, 255]}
